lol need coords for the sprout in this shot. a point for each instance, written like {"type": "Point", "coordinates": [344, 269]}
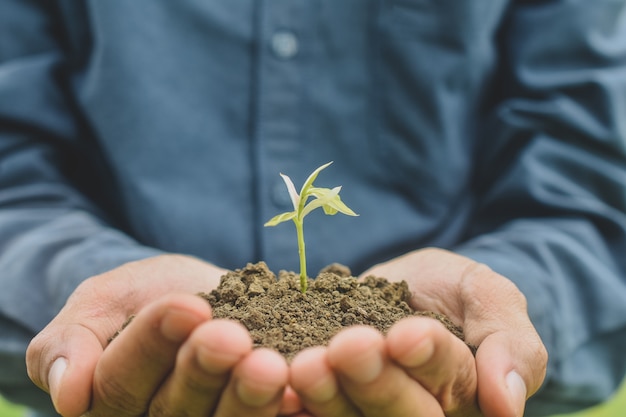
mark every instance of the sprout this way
{"type": "Point", "coordinates": [326, 198]}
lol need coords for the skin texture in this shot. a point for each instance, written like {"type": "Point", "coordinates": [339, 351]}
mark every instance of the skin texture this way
{"type": "Point", "coordinates": [174, 358]}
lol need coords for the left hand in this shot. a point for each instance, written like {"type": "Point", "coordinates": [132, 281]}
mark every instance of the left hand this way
{"type": "Point", "coordinates": [172, 359]}
{"type": "Point", "coordinates": [420, 368]}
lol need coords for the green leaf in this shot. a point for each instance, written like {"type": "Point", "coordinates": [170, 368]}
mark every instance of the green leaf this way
{"type": "Point", "coordinates": [281, 218]}
{"type": "Point", "coordinates": [330, 201]}
{"type": "Point", "coordinates": [336, 205]}
{"type": "Point", "coordinates": [309, 181]}
{"type": "Point", "coordinates": [322, 193]}
{"type": "Point", "coordinates": [323, 196]}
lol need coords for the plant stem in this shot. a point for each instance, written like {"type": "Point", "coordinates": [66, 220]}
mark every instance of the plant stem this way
{"type": "Point", "coordinates": [302, 253]}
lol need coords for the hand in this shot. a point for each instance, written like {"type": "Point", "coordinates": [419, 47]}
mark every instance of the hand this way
{"type": "Point", "coordinates": [171, 359]}
{"type": "Point", "coordinates": [421, 369]}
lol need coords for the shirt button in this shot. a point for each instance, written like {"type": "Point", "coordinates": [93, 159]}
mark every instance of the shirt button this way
{"type": "Point", "coordinates": [284, 44]}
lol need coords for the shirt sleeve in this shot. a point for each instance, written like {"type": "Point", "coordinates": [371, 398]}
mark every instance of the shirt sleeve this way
{"type": "Point", "coordinates": [52, 235]}
{"type": "Point", "coordinates": [551, 179]}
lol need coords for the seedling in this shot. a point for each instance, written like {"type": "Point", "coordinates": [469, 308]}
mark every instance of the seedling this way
{"type": "Point", "coordinates": [326, 198]}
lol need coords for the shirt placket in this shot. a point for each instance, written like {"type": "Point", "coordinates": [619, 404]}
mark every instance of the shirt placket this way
{"type": "Point", "coordinates": [281, 34]}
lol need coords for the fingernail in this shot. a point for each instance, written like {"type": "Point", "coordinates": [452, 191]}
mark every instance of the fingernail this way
{"type": "Point", "coordinates": [324, 390]}
{"type": "Point", "coordinates": [517, 392]}
{"type": "Point", "coordinates": [55, 375]}
{"type": "Point", "coordinates": [255, 396]}
{"type": "Point", "coordinates": [177, 324]}
{"type": "Point", "coordinates": [418, 355]}
{"type": "Point", "coordinates": [370, 367]}
{"type": "Point", "coordinates": [215, 362]}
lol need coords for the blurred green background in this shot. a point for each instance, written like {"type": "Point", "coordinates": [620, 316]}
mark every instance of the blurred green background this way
{"type": "Point", "coordinates": [614, 408]}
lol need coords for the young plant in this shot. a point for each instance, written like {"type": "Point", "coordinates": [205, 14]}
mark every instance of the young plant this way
{"type": "Point", "coordinates": [326, 198]}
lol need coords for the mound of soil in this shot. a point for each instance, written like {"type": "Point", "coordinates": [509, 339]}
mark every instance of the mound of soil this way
{"type": "Point", "coordinates": [279, 316]}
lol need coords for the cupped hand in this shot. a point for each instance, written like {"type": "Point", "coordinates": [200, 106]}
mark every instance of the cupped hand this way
{"type": "Point", "coordinates": [420, 368]}
{"type": "Point", "coordinates": [172, 359]}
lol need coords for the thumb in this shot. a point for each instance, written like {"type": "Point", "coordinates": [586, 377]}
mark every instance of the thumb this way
{"type": "Point", "coordinates": [505, 378]}
{"type": "Point", "coordinates": [61, 360]}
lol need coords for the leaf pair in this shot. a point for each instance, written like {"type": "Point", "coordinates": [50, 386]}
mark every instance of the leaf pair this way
{"type": "Point", "coordinates": [326, 198]}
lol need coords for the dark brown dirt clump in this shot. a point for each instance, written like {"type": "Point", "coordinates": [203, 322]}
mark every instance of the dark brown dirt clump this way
{"type": "Point", "coordinates": [280, 317]}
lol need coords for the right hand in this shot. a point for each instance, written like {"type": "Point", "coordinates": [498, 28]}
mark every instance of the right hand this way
{"type": "Point", "coordinates": [420, 368]}
{"type": "Point", "coordinates": [171, 358]}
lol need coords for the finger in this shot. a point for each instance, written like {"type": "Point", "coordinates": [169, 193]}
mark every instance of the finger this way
{"type": "Point", "coordinates": [61, 360]}
{"type": "Point", "coordinates": [135, 364]}
{"type": "Point", "coordinates": [291, 403]}
{"type": "Point", "coordinates": [203, 368]}
{"type": "Point", "coordinates": [438, 360]}
{"type": "Point", "coordinates": [511, 359]}
{"type": "Point", "coordinates": [256, 386]}
{"type": "Point", "coordinates": [313, 379]}
{"type": "Point", "coordinates": [372, 382]}
{"type": "Point", "coordinates": [506, 378]}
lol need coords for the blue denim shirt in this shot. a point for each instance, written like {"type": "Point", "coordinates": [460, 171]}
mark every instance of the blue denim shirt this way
{"type": "Point", "coordinates": [494, 128]}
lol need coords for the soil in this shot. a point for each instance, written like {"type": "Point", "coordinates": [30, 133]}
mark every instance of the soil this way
{"type": "Point", "coordinates": [279, 316]}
